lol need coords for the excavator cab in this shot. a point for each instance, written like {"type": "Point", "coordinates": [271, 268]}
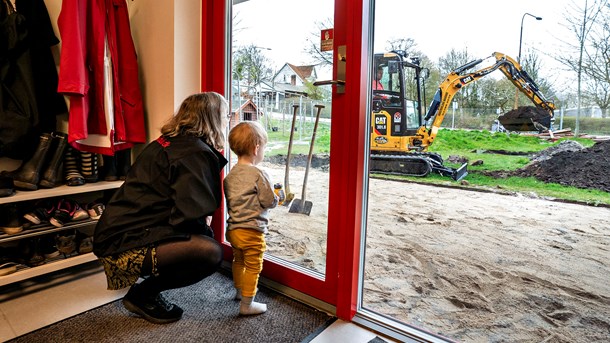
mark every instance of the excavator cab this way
{"type": "Point", "coordinates": [397, 113]}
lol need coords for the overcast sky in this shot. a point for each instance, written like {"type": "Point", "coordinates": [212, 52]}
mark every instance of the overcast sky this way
{"type": "Point", "coordinates": [481, 26]}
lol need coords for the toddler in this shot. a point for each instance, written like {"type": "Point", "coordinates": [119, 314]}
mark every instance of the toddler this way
{"type": "Point", "coordinates": [249, 195]}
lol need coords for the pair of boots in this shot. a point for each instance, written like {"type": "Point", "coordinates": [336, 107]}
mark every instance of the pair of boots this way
{"type": "Point", "coordinates": [52, 156]}
{"type": "Point", "coordinates": [49, 154]}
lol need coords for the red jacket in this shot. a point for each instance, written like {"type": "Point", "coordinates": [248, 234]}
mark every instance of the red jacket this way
{"type": "Point", "coordinates": [84, 25]}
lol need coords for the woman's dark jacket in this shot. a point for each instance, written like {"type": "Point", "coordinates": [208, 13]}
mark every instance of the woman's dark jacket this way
{"type": "Point", "coordinates": [170, 189]}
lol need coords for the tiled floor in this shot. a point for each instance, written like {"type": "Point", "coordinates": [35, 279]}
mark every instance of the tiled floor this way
{"type": "Point", "coordinates": [46, 300]}
{"type": "Point", "coordinates": [50, 299]}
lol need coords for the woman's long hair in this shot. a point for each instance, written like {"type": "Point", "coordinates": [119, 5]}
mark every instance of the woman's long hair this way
{"type": "Point", "coordinates": [200, 115]}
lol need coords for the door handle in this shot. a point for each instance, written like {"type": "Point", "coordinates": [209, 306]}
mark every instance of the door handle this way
{"type": "Point", "coordinates": [329, 82]}
{"type": "Point", "coordinates": [340, 82]}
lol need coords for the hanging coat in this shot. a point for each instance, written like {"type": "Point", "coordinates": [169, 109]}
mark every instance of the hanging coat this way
{"type": "Point", "coordinates": [87, 28]}
{"type": "Point", "coordinates": [18, 111]}
{"type": "Point", "coordinates": [41, 38]}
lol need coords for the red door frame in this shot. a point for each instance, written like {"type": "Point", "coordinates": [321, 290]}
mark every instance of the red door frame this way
{"type": "Point", "coordinates": [340, 287]}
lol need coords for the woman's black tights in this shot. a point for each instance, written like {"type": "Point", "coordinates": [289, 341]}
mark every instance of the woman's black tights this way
{"type": "Point", "coordinates": [181, 263]}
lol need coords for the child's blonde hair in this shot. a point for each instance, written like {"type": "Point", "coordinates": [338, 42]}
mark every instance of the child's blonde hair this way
{"type": "Point", "coordinates": [245, 136]}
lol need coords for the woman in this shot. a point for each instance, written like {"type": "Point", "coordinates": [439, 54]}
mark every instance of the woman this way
{"type": "Point", "coordinates": [156, 226]}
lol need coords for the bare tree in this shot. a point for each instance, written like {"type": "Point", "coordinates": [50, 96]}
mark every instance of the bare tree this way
{"type": "Point", "coordinates": [532, 65]}
{"type": "Point", "coordinates": [453, 59]}
{"type": "Point", "coordinates": [407, 45]}
{"type": "Point", "coordinates": [596, 66]}
{"type": "Point", "coordinates": [250, 66]}
{"type": "Point", "coordinates": [467, 97]}
{"type": "Point", "coordinates": [580, 21]}
{"type": "Point", "coordinates": [312, 47]}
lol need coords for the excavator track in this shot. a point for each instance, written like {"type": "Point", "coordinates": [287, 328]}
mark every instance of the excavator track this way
{"type": "Point", "coordinates": [411, 164]}
{"type": "Point", "coordinates": [414, 164]}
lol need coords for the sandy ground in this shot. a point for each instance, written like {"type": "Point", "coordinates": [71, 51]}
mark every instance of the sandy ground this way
{"type": "Point", "coordinates": [472, 266]}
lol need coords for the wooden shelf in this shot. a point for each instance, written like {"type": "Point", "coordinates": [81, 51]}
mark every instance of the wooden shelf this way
{"type": "Point", "coordinates": [58, 263]}
{"type": "Point", "coordinates": [50, 266]}
{"type": "Point", "coordinates": [40, 230]}
{"type": "Point", "coordinates": [60, 191]}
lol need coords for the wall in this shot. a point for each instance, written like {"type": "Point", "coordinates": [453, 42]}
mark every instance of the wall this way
{"type": "Point", "coordinates": [167, 38]}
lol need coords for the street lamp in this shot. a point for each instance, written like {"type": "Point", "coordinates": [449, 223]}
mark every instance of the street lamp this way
{"type": "Point", "coordinates": [521, 34]}
{"type": "Point", "coordinates": [519, 56]}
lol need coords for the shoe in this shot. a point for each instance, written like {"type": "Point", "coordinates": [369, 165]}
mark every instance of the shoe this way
{"type": "Point", "coordinates": [110, 168]}
{"type": "Point", "coordinates": [8, 268]}
{"type": "Point", "coordinates": [85, 245]}
{"type": "Point", "coordinates": [95, 209]}
{"type": "Point", "coordinates": [88, 166]}
{"type": "Point", "coordinates": [28, 174]}
{"type": "Point", "coordinates": [53, 175]}
{"type": "Point", "coordinates": [48, 248]}
{"type": "Point", "coordinates": [31, 252]}
{"type": "Point", "coordinates": [66, 244]}
{"type": "Point", "coordinates": [155, 309]}
{"type": "Point", "coordinates": [42, 212]}
{"type": "Point", "coordinates": [9, 265]}
{"type": "Point", "coordinates": [9, 221]}
{"type": "Point", "coordinates": [67, 210]}
{"type": "Point", "coordinates": [73, 175]}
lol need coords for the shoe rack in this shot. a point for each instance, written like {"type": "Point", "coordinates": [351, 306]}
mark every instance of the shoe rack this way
{"type": "Point", "coordinates": [89, 189]}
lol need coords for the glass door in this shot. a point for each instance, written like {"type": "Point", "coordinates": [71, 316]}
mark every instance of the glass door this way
{"type": "Point", "coordinates": [492, 256]}
{"type": "Point", "coordinates": [276, 58]}
{"type": "Point", "coordinates": [291, 64]}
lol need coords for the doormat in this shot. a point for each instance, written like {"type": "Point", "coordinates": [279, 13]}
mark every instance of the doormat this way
{"type": "Point", "coordinates": [210, 315]}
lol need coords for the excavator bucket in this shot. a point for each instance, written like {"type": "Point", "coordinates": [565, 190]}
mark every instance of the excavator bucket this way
{"type": "Point", "coordinates": [455, 174]}
{"type": "Point", "coordinates": [526, 118]}
{"type": "Point", "coordinates": [460, 173]}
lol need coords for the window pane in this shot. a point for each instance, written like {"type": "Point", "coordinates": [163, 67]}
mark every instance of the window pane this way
{"type": "Point", "coordinates": [276, 58]}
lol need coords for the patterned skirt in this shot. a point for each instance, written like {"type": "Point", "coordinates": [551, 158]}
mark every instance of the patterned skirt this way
{"type": "Point", "coordinates": [124, 269]}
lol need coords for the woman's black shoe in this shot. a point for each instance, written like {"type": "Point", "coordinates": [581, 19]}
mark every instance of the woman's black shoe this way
{"type": "Point", "coordinates": [154, 309]}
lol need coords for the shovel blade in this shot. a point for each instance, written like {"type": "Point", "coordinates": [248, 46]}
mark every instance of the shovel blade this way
{"type": "Point", "coordinates": [300, 206]}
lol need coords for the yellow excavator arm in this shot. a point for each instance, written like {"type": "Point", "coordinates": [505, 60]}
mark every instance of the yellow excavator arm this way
{"type": "Point", "coordinates": [459, 78]}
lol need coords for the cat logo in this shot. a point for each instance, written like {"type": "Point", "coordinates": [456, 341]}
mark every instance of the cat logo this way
{"type": "Point", "coordinates": [381, 140]}
{"type": "Point", "coordinates": [380, 120]}
{"type": "Point", "coordinates": [467, 79]}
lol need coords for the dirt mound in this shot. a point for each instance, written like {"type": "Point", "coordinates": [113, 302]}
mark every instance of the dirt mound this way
{"type": "Point", "coordinates": [567, 145]}
{"type": "Point", "coordinates": [526, 118]}
{"type": "Point", "coordinates": [300, 160]}
{"type": "Point", "coordinates": [584, 168]}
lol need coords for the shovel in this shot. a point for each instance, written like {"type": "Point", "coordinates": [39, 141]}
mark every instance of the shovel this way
{"type": "Point", "coordinates": [289, 195]}
{"type": "Point", "coordinates": [302, 205]}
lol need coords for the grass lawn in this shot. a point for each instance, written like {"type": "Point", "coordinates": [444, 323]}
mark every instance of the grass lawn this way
{"type": "Point", "coordinates": [474, 145]}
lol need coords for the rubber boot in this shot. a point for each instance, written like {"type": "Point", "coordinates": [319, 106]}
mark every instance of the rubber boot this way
{"type": "Point", "coordinates": [71, 169]}
{"type": "Point", "coordinates": [88, 166]}
{"type": "Point", "coordinates": [54, 174]}
{"type": "Point", "coordinates": [123, 162]}
{"type": "Point", "coordinates": [110, 168]}
{"type": "Point", "coordinates": [29, 173]}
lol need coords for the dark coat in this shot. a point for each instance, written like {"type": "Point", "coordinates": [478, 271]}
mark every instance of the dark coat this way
{"type": "Point", "coordinates": [170, 189]}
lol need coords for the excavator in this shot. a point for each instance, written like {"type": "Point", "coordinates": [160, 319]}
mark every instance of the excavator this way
{"type": "Point", "coordinates": [401, 134]}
